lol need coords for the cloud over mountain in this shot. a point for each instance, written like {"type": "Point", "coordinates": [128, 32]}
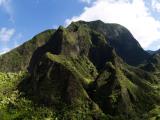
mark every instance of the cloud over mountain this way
{"type": "Point", "coordinates": [6, 34]}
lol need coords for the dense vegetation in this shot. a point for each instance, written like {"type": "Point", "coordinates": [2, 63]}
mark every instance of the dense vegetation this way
{"type": "Point", "coordinates": [87, 71]}
{"type": "Point", "coordinates": [14, 107]}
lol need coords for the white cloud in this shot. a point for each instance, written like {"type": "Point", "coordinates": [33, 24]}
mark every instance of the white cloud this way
{"type": "Point", "coordinates": [5, 39]}
{"type": "Point", "coordinates": [158, 47]}
{"type": "Point", "coordinates": [6, 34]}
{"type": "Point", "coordinates": [6, 5]}
{"type": "Point", "coordinates": [132, 14]}
{"type": "Point", "coordinates": [2, 2]}
{"type": "Point", "coordinates": [156, 5]}
{"type": "Point", "coordinates": [55, 26]}
{"type": "Point", "coordinates": [86, 1]}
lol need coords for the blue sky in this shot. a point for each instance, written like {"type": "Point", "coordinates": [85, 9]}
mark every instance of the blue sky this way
{"type": "Point", "coordinates": [27, 18]}
{"type": "Point", "coordinates": [20, 20]}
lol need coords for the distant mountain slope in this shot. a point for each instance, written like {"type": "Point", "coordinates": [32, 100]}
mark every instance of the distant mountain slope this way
{"type": "Point", "coordinates": [153, 52]}
{"type": "Point", "coordinates": [153, 63]}
{"type": "Point", "coordinates": [158, 51]}
{"type": "Point", "coordinates": [18, 59]}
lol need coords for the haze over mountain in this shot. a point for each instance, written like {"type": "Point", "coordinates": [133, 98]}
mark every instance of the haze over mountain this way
{"type": "Point", "coordinates": [86, 71]}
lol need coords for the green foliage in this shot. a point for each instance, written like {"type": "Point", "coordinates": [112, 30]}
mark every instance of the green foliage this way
{"type": "Point", "coordinates": [9, 81]}
{"type": "Point", "coordinates": [15, 107]}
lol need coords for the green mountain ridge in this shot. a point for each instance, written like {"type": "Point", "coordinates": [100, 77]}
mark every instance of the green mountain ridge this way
{"type": "Point", "coordinates": [18, 59]}
{"type": "Point", "coordinates": [87, 71]}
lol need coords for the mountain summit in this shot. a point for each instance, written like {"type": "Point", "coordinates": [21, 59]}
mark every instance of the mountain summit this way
{"type": "Point", "coordinates": [87, 71]}
{"type": "Point", "coordinates": [121, 40]}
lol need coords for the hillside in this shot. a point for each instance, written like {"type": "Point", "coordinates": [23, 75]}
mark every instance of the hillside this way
{"type": "Point", "coordinates": [18, 59]}
{"type": "Point", "coordinates": [87, 71]}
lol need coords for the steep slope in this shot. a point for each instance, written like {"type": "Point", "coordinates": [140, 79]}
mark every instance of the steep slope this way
{"type": "Point", "coordinates": [76, 41]}
{"type": "Point", "coordinates": [18, 59]}
{"type": "Point", "coordinates": [122, 90]}
{"type": "Point", "coordinates": [65, 64]}
{"type": "Point", "coordinates": [121, 39]}
{"type": "Point", "coordinates": [68, 92]}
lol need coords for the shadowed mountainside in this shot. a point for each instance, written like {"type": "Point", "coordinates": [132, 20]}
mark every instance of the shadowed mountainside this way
{"type": "Point", "coordinates": [121, 40]}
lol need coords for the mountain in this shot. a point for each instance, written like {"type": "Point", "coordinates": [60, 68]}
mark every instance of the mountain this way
{"type": "Point", "coordinates": [18, 59]}
{"type": "Point", "coordinates": [87, 71]}
{"type": "Point", "coordinates": [116, 35]}
{"type": "Point", "coordinates": [121, 40]}
{"type": "Point", "coordinates": [153, 52]}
